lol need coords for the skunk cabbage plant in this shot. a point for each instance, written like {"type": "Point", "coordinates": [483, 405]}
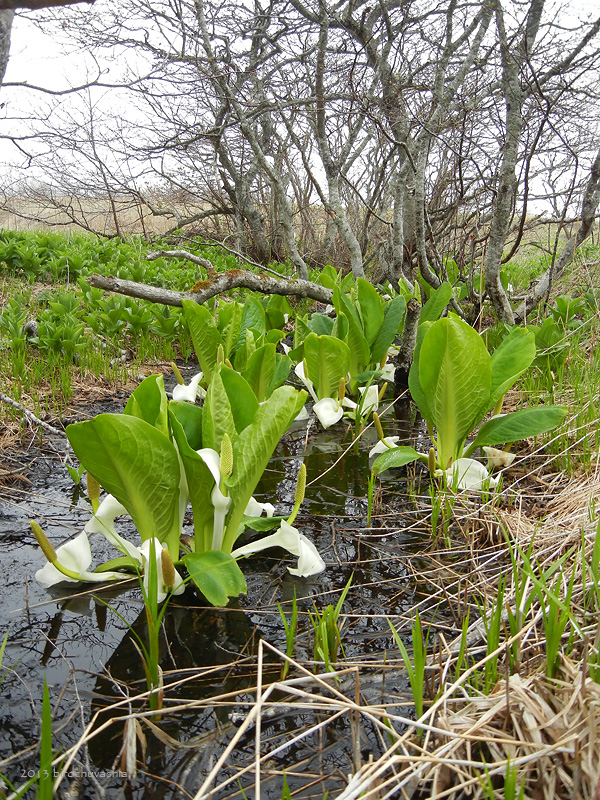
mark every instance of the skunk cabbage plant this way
{"type": "Point", "coordinates": [157, 457]}
{"type": "Point", "coordinates": [456, 383]}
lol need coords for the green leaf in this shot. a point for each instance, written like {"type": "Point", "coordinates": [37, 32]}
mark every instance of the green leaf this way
{"type": "Point", "coordinates": [510, 360]}
{"type": "Point", "coordinates": [260, 371]}
{"type": "Point", "coordinates": [283, 365]}
{"type": "Point", "coordinates": [301, 331]}
{"type": "Point", "coordinates": [414, 382]}
{"type": "Point", "coordinates": [321, 324]}
{"type": "Point", "coordinates": [253, 318]}
{"type": "Point", "coordinates": [45, 789]}
{"type": "Point", "coordinates": [436, 304]}
{"type": "Point", "coordinates": [217, 575]}
{"type": "Point", "coordinates": [217, 415]}
{"type": "Point", "coordinates": [261, 523]}
{"type": "Point", "coordinates": [393, 315]}
{"type": "Point", "coordinates": [396, 457]}
{"type": "Point", "coordinates": [340, 327]}
{"type": "Point", "coordinates": [189, 417]}
{"type": "Point", "coordinates": [149, 402]}
{"type": "Point", "coordinates": [273, 336]}
{"type": "Point", "coordinates": [370, 307]}
{"type": "Point", "coordinates": [327, 360]}
{"type": "Point", "coordinates": [136, 464]}
{"type": "Point", "coordinates": [519, 425]}
{"type": "Point", "coordinates": [360, 352]}
{"type": "Point", "coordinates": [242, 398]}
{"type": "Point", "coordinates": [343, 305]}
{"type": "Point", "coordinates": [200, 483]}
{"type": "Point", "coordinates": [205, 335]}
{"type": "Point", "coordinates": [232, 329]}
{"type": "Point", "coordinates": [455, 374]}
{"type": "Point", "coordinates": [254, 448]}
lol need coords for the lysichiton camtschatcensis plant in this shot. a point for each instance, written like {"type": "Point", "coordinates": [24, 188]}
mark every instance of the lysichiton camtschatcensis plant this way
{"type": "Point", "coordinates": [456, 383]}
{"type": "Point", "coordinates": [157, 457]}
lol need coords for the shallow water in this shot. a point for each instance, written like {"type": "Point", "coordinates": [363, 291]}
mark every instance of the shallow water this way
{"type": "Point", "coordinates": [82, 644]}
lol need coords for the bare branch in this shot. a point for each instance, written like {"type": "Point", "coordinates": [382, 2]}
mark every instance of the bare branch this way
{"type": "Point", "coordinates": [213, 286]}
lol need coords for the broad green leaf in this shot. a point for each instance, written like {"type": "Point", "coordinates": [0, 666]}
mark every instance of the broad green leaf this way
{"type": "Point", "coordinates": [436, 304]}
{"type": "Point", "coordinates": [301, 331]}
{"type": "Point", "coordinates": [149, 402]}
{"type": "Point", "coordinates": [261, 523]}
{"type": "Point", "coordinates": [233, 327]}
{"type": "Point", "coordinates": [370, 308]}
{"type": "Point", "coordinates": [393, 315]}
{"type": "Point", "coordinates": [340, 327]}
{"type": "Point", "coordinates": [321, 324]}
{"type": "Point", "coordinates": [217, 575]}
{"type": "Point", "coordinates": [360, 352]}
{"type": "Point", "coordinates": [136, 464]}
{"type": "Point", "coordinates": [245, 350]}
{"type": "Point", "coordinates": [276, 307]}
{"type": "Point", "coordinates": [254, 448]}
{"type": "Point", "coordinates": [455, 375]}
{"type": "Point", "coordinates": [242, 398]}
{"type": "Point", "coordinates": [519, 425]}
{"type": "Point", "coordinates": [396, 457]}
{"type": "Point", "coordinates": [200, 485]}
{"type": "Point", "coordinates": [205, 335]}
{"type": "Point", "coordinates": [328, 277]}
{"type": "Point", "coordinates": [217, 416]}
{"type": "Point", "coordinates": [344, 305]}
{"type": "Point", "coordinates": [283, 365]}
{"type": "Point", "coordinates": [327, 360]}
{"type": "Point", "coordinates": [414, 382]}
{"type": "Point", "coordinates": [189, 417]}
{"type": "Point", "coordinates": [260, 371]}
{"type": "Point", "coordinates": [253, 318]}
{"type": "Point", "coordinates": [273, 336]}
{"type": "Point", "coordinates": [510, 360]}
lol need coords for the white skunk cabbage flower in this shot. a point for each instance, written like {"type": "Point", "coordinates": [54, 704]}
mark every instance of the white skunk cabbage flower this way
{"type": "Point", "coordinates": [155, 546]}
{"type": "Point", "coordinates": [220, 501]}
{"type": "Point", "coordinates": [328, 411]}
{"type": "Point", "coordinates": [189, 392]}
{"type": "Point", "coordinates": [498, 458]}
{"type": "Point", "coordinates": [371, 399]}
{"type": "Point", "coordinates": [299, 370]}
{"type": "Point", "coordinates": [290, 539]}
{"type": "Point", "coordinates": [255, 509]}
{"type": "Point", "coordinates": [103, 522]}
{"type": "Point", "coordinates": [76, 556]}
{"type": "Point", "coordinates": [383, 445]}
{"type": "Point", "coordinates": [467, 474]}
{"type": "Point", "coordinates": [388, 372]}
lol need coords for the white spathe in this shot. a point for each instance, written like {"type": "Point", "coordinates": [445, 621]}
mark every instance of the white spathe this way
{"type": "Point", "coordinates": [466, 474]}
{"type": "Point", "coordinates": [255, 509]}
{"type": "Point", "coordinates": [290, 539]}
{"type": "Point", "coordinates": [103, 522]}
{"type": "Point", "coordinates": [221, 502]}
{"type": "Point", "coordinates": [328, 411]}
{"type": "Point", "coordinates": [371, 398]}
{"type": "Point", "coordinates": [299, 370]}
{"type": "Point", "coordinates": [383, 445]}
{"type": "Point", "coordinates": [498, 458]}
{"type": "Point", "coordinates": [388, 372]}
{"type": "Point", "coordinates": [189, 392]}
{"type": "Point", "coordinates": [76, 556]}
{"type": "Point", "coordinates": [155, 546]}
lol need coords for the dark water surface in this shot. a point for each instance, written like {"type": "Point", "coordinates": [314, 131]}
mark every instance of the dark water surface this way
{"type": "Point", "coordinates": [81, 643]}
